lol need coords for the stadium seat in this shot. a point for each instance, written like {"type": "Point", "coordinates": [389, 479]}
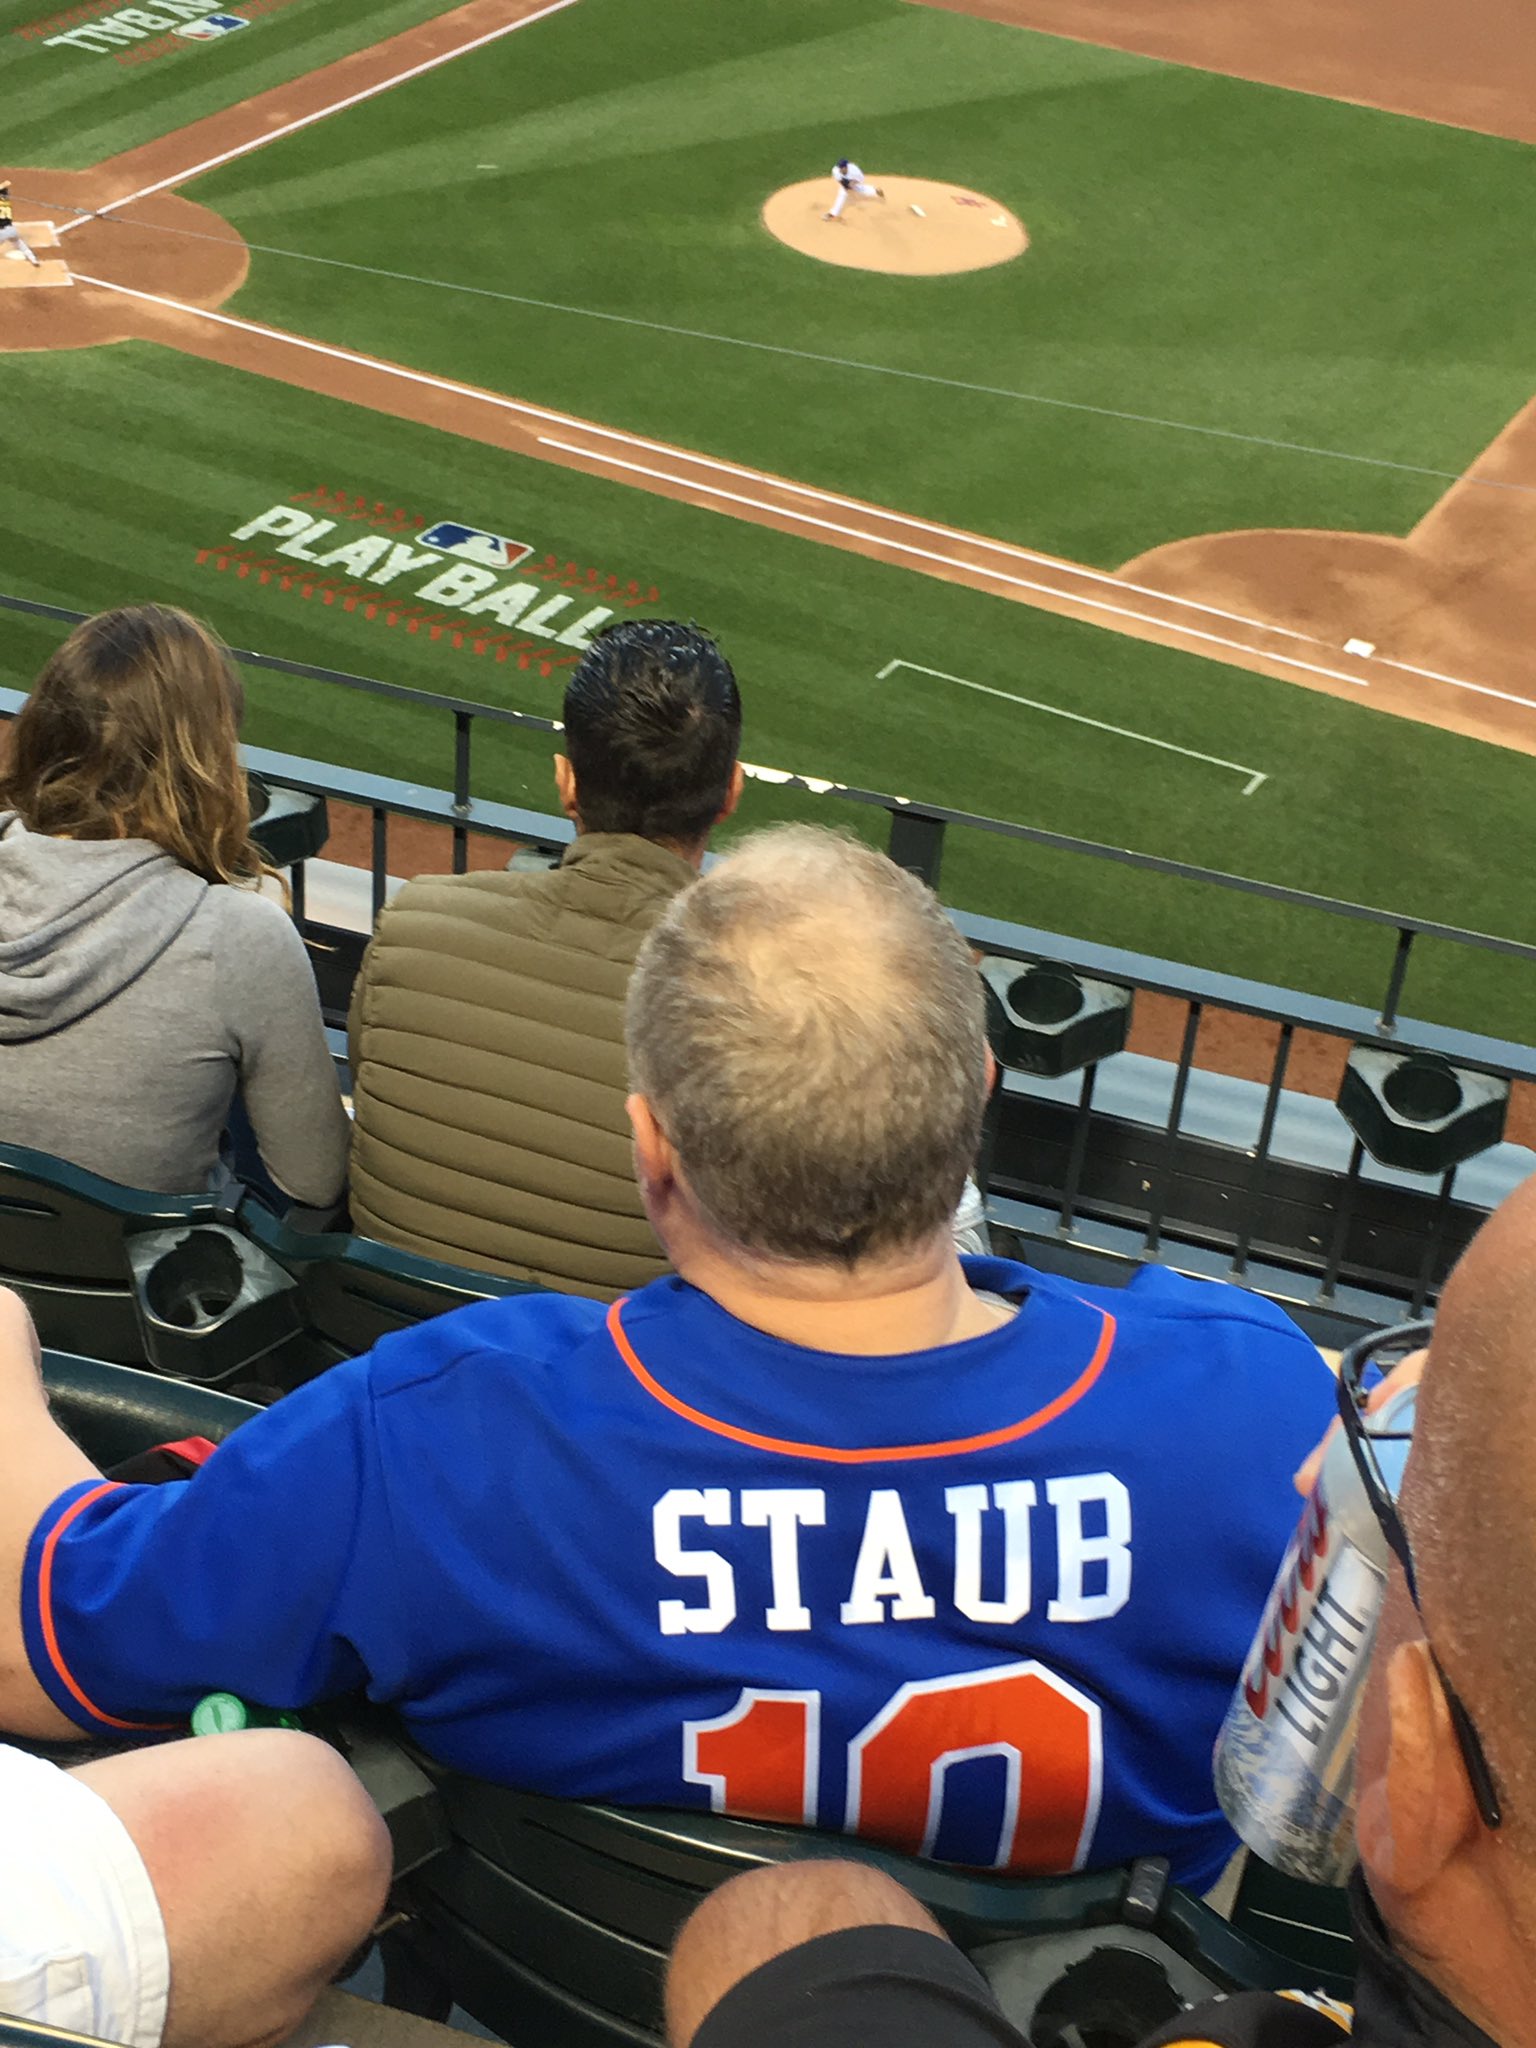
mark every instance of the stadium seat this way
{"type": "Point", "coordinates": [549, 1920]}
{"type": "Point", "coordinates": [110, 1272]}
{"type": "Point", "coordinates": [352, 1291]}
{"type": "Point", "coordinates": [63, 1246]}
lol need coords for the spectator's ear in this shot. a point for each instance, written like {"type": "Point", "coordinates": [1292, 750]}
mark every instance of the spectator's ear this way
{"type": "Point", "coordinates": [733, 795]}
{"type": "Point", "coordinates": [565, 785]}
{"type": "Point", "coordinates": [1417, 1812]}
{"type": "Point", "coordinates": [655, 1161]}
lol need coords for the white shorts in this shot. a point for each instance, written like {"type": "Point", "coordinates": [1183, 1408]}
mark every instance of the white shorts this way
{"type": "Point", "coordinates": [82, 1943]}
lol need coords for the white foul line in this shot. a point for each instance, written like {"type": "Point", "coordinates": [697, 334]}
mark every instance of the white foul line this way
{"type": "Point", "coordinates": [901, 547]}
{"type": "Point", "coordinates": [521, 408]}
{"type": "Point", "coordinates": [321, 113]}
{"type": "Point", "coordinates": [1255, 776]}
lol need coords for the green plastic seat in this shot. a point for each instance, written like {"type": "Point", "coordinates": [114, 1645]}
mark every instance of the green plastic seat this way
{"type": "Point", "coordinates": [63, 1246]}
{"type": "Point", "coordinates": [353, 1291]}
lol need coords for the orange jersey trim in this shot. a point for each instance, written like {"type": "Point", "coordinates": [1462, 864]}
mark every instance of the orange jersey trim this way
{"type": "Point", "coordinates": [885, 1454]}
{"type": "Point", "coordinates": [45, 1614]}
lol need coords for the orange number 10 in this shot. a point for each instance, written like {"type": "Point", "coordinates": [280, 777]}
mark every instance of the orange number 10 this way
{"type": "Point", "coordinates": [762, 1760]}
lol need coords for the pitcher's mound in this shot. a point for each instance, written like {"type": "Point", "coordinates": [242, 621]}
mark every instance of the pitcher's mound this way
{"type": "Point", "coordinates": [919, 229]}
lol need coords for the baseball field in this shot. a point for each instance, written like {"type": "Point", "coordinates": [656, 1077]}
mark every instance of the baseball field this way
{"type": "Point", "coordinates": [415, 342]}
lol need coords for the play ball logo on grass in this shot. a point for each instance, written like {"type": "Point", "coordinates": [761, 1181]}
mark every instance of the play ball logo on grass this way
{"type": "Point", "coordinates": [473, 544]}
{"type": "Point", "coordinates": [210, 26]}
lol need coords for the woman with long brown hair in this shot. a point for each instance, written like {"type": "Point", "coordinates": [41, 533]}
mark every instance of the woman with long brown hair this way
{"type": "Point", "coordinates": [143, 980]}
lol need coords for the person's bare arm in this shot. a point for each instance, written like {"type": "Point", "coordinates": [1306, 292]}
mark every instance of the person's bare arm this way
{"type": "Point", "coordinates": [37, 1462]}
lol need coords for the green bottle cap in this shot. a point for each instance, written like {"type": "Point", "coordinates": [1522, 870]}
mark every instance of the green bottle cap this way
{"type": "Point", "coordinates": [221, 1712]}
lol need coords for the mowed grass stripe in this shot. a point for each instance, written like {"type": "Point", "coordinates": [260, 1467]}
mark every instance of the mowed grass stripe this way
{"type": "Point", "coordinates": [1361, 805]}
{"type": "Point", "coordinates": [68, 107]}
{"type": "Point", "coordinates": [1204, 250]}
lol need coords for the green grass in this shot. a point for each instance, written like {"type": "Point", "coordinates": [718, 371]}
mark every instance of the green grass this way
{"type": "Point", "coordinates": [1361, 805]}
{"type": "Point", "coordinates": [1205, 251]}
{"type": "Point", "coordinates": [66, 108]}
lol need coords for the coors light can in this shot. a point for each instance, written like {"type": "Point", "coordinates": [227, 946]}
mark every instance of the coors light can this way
{"type": "Point", "coordinates": [1285, 1757]}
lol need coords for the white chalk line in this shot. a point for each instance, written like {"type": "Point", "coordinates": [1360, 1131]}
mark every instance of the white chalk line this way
{"type": "Point", "coordinates": [1010, 548]}
{"type": "Point", "coordinates": [355, 99]}
{"type": "Point", "coordinates": [901, 547]}
{"type": "Point", "coordinates": [805, 355]}
{"type": "Point", "coordinates": [1256, 776]}
{"type": "Point", "coordinates": [522, 408]}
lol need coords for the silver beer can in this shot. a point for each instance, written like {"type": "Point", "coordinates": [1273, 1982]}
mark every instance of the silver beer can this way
{"type": "Point", "coordinates": [1285, 1757]}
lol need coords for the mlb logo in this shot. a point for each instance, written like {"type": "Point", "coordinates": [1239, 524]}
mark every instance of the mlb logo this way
{"type": "Point", "coordinates": [212, 25]}
{"type": "Point", "coordinates": [473, 544]}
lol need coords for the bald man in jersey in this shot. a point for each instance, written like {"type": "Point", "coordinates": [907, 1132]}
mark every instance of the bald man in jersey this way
{"type": "Point", "coordinates": [1445, 1907]}
{"type": "Point", "coordinates": [826, 1525]}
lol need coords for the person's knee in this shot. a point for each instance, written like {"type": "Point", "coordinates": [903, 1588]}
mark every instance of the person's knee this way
{"type": "Point", "coordinates": [296, 1782]}
{"type": "Point", "coordinates": [763, 1914]}
{"type": "Point", "coordinates": [269, 1863]}
{"type": "Point", "coordinates": [282, 1808]}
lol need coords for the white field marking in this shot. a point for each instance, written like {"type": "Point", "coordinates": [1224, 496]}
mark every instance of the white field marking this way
{"type": "Point", "coordinates": [521, 408]}
{"type": "Point", "coordinates": [355, 99]}
{"type": "Point", "coordinates": [1255, 776]}
{"type": "Point", "coordinates": [997, 547]}
{"type": "Point", "coordinates": [1046, 561]}
{"type": "Point", "coordinates": [804, 355]}
{"type": "Point", "coordinates": [901, 547]}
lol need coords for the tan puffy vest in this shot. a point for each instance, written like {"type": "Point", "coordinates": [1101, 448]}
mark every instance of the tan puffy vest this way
{"type": "Point", "coordinates": [487, 1037]}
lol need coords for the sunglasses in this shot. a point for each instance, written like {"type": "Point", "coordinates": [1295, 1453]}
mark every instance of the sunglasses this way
{"type": "Point", "coordinates": [1382, 1350]}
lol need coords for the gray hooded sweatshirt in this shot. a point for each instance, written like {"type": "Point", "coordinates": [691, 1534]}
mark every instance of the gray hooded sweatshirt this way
{"type": "Point", "coordinates": [135, 997]}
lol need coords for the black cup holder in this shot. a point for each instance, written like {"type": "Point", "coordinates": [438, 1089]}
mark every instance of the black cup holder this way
{"type": "Point", "coordinates": [197, 1283]}
{"type": "Point", "coordinates": [1046, 995]}
{"type": "Point", "coordinates": [1111, 1999]}
{"type": "Point", "coordinates": [1423, 1090]}
{"type": "Point", "coordinates": [214, 1308]}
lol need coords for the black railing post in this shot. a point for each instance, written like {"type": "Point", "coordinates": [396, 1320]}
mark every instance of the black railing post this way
{"type": "Point", "coordinates": [380, 871]}
{"type": "Point", "coordinates": [463, 721]}
{"type": "Point", "coordinates": [917, 844]}
{"type": "Point", "coordinates": [1341, 1222]}
{"type": "Point", "coordinates": [296, 893]}
{"type": "Point", "coordinates": [1387, 1021]}
{"type": "Point", "coordinates": [1175, 1117]}
{"type": "Point", "coordinates": [1432, 1247]}
{"type": "Point", "coordinates": [1079, 1153]}
{"type": "Point", "coordinates": [1261, 1150]}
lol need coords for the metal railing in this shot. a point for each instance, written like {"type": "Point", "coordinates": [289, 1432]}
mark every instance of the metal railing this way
{"type": "Point", "coordinates": [916, 831]}
{"type": "Point", "coordinates": [1123, 1187]}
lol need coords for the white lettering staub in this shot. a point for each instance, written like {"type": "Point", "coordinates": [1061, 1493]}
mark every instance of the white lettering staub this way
{"type": "Point", "coordinates": [993, 1532]}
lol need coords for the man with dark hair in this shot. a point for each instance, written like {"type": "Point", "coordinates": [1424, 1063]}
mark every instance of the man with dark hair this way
{"type": "Point", "coordinates": [487, 1022]}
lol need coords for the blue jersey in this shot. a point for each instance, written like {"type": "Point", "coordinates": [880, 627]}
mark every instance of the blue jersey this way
{"type": "Point", "coordinates": [986, 1602]}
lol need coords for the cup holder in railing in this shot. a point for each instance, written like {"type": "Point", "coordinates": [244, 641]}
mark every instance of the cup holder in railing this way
{"type": "Point", "coordinates": [212, 1307]}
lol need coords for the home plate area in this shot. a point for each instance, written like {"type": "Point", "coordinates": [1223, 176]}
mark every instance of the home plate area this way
{"type": "Point", "coordinates": [17, 274]}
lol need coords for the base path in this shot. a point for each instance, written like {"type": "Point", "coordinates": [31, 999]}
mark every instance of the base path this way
{"type": "Point", "coordinates": [1470, 65]}
{"type": "Point", "coordinates": [168, 245]}
{"type": "Point", "coordinates": [220, 138]}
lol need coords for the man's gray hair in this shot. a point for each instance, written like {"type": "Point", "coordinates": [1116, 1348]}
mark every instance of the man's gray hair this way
{"type": "Point", "coordinates": [807, 1026]}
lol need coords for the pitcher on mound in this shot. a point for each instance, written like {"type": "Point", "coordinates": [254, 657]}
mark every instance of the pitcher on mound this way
{"type": "Point", "coordinates": [850, 182]}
